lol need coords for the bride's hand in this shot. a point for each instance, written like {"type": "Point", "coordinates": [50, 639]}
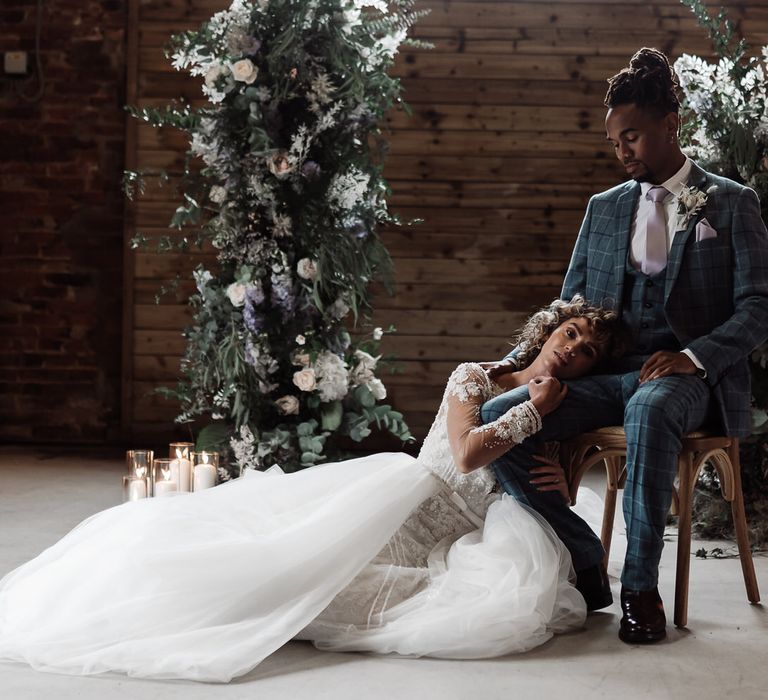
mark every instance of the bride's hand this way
{"type": "Point", "coordinates": [496, 369]}
{"type": "Point", "coordinates": [546, 394]}
{"type": "Point", "coordinates": [550, 477]}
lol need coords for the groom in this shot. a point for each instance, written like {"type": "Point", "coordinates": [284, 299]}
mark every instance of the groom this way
{"type": "Point", "coordinates": [682, 254]}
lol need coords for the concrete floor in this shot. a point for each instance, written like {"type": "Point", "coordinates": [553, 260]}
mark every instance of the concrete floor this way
{"type": "Point", "coordinates": [44, 493]}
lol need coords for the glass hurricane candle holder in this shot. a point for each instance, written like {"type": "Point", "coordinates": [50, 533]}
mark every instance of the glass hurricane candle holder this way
{"type": "Point", "coordinates": [162, 478]}
{"type": "Point", "coordinates": [180, 450]}
{"type": "Point", "coordinates": [135, 488]}
{"type": "Point", "coordinates": [181, 465]}
{"type": "Point", "coordinates": [139, 462]}
{"type": "Point", "coordinates": [205, 470]}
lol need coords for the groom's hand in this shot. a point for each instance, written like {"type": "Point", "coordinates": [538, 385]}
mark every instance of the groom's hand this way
{"type": "Point", "coordinates": [665, 364]}
{"type": "Point", "coordinates": [496, 369]}
{"type": "Point", "coordinates": [550, 477]}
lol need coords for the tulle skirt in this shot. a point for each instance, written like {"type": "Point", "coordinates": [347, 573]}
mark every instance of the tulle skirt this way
{"type": "Point", "coordinates": [205, 586]}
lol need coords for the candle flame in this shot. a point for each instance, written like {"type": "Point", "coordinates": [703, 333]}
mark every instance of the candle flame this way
{"type": "Point", "coordinates": [140, 470]}
{"type": "Point", "coordinates": [178, 453]}
{"type": "Point", "coordinates": [205, 458]}
{"type": "Point", "coordinates": [166, 474]}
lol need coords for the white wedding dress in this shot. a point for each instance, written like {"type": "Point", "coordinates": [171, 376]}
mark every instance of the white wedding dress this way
{"type": "Point", "coordinates": [385, 553]}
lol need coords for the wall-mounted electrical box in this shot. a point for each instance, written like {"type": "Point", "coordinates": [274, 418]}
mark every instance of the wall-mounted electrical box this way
{"type": "Point", "coordinates": [15, 62]}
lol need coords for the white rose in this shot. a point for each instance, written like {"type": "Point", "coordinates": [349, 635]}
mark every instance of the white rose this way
{"type": "Point", "coordinates": [279, 165]}
{"type": "Point", "coordinates": [378, 389]}
{"type": "Point", "coordinates": [301, 359]}
{"type": "Point", "coordinates": [236, 293]}
{"type": "Point", "coordinates": [363, 371]}
{"type": "Point", "coordinates": [288, 405]}
{"type": "Point", "coordinates": [305, 379]}
{"type": "Point", "coordinates": [217, 194]}
{"type": "Point", "coordinates": [306, 269]}
{"type": "Point", "coordinates": [378, 333]}
{"type": "Point", "coordinates": [365, 360]}
{"type": "Point", "coordinates": [245, 71]}
{"type": "Point", "coordinates": [300, 340]}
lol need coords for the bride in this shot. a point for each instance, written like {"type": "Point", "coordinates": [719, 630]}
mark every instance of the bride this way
{"type": "Point", "coordinates": [384, 553]}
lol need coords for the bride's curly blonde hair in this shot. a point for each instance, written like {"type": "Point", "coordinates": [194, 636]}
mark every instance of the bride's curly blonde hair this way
{"type": "Point", "coordinates": [609, 330]}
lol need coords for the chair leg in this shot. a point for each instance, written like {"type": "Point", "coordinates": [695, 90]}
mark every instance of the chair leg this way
{"type": "Point", "coordinates": [612, 467]}
{"type": "Point", "coordinates": [740, 527]}
{"type": "Point", "coordinates": [685, 466]}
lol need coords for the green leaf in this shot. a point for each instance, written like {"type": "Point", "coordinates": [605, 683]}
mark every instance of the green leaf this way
{"type": "Point", "coordinates": [332, 413]}
{"type": "Point", "coordinates": [759, 420]}
{"type": "Point", "coordinates": [365, 397]}
{"type": "Point", "coordinates": [307, 428]}
{"type": "Point", "coordinates": [318, 443]}
{"type": "Point", "coordinates": [360, 430]}
{"type": "Point", "coordinates": [305, 443]}
{"type": "Point", "coordinates": [212, 437]}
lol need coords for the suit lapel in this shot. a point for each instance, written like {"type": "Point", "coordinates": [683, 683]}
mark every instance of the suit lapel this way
{"type": "Point", "coordinates": [625, 209]}
{"type": "Point", "coordinates": [698, 178]}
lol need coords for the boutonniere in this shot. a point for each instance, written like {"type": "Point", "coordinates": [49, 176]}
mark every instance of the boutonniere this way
{"type": "Point", "coordinates": [690, 201]}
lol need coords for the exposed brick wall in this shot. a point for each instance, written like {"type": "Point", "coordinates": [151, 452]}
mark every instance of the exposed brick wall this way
{"type": "Point", "coordinates": [61, 223]}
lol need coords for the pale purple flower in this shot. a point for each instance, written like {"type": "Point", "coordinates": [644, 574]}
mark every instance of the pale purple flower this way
{"type": "Point", "coordinates": [282, 294]}
{"type": "Point", "coordinates": [240, 42]}
{"type": "Point", "coordinates": [254, 319]}
{"type": "Point", "coordinates": [310, 170]}
{"type": "Point", "coordinates": [356, 227]}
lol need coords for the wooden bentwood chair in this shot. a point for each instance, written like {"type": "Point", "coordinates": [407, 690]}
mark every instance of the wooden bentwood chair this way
{"type": "Point", "coordinates": [609, 445]}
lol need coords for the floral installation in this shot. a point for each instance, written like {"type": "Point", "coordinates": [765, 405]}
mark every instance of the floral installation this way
{"type": "Point", "coordinates": [283, 177]}
{"type": "Point", "coordinates": [725, 127]}
{"type": "Point", "coordinates": [690, 202]}
{"type": "Point", "coordinates": [726, 105]}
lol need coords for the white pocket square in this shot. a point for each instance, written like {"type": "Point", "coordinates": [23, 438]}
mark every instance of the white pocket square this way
{"type": "Point", "coordinates": [704, 231]}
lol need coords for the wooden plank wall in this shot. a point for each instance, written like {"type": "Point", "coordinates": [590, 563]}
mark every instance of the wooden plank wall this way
{"type": "Point", "coordinates": [504, 148]}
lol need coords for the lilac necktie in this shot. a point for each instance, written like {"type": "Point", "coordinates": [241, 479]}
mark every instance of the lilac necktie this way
{"type": "Point", "coordinates": [656, 232]}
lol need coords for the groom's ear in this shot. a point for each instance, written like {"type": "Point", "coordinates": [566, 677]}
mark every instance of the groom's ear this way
{"type": "Point", "coordinates": [672, 126]}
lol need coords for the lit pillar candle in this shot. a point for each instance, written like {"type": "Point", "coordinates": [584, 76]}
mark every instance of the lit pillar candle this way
{"type": "Point", "coordinates": [181, 469]}
{"type": "Point", "coordinates": [205, 475]}
{"type": "Point", "coordinates": [137, 489]}
{"type": "Point", "coordinates": [166, 486]}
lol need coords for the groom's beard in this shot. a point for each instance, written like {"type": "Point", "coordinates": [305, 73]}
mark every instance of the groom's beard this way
{"type": "Point", "coordinates": [643, 174]}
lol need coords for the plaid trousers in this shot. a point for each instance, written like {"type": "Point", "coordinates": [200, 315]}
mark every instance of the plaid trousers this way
{"type": "Point", "coordinates": [655, 416]}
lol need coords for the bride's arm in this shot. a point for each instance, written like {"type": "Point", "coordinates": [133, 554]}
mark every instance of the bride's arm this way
{"type": "Point", "coordinates": [474, 445]}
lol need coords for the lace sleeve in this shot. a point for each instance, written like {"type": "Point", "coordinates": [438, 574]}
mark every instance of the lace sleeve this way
{"type": "Point", "coordinates": [474, 445]}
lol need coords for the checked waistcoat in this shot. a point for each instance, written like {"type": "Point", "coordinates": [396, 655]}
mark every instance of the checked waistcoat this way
{"type": "Point", "coordinates": [643, 312]}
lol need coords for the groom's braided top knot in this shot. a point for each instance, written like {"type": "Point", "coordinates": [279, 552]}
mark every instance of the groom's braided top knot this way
{"type": "Point", "coordinates": [648, 81]}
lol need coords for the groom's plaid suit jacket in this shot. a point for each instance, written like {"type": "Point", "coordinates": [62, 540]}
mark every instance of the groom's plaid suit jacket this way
{"type": "Point", "coordinates": [716, 292]}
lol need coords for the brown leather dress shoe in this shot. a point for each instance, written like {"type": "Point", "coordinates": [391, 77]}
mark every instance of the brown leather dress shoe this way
{"type": "Point", "coordinates": [643, 620]}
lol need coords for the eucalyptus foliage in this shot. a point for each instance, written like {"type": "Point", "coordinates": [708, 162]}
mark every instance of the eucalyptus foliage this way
{"type": "Point", "coordinates": [283, 176]}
